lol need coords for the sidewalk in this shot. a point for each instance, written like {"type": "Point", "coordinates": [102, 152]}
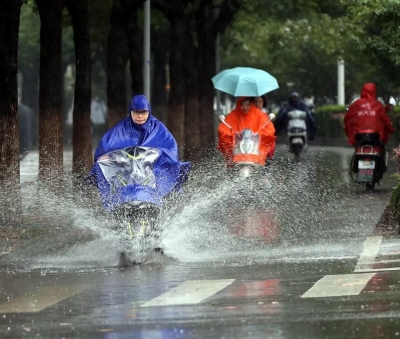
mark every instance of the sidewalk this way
{"type": "Point", "coordinates": [29, 165]}
{"type": "Point", "coordinates": [29, 168]}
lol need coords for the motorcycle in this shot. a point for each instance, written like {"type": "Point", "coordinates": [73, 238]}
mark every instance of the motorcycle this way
{"type": "Point", "coordinates": [132, 187]}
{"type": "Point", "coordinates": [246, 152]}
{"type": "Point", "coordinates": [369, 161]}
{"type": "Point", "coordinates": [297, 132]}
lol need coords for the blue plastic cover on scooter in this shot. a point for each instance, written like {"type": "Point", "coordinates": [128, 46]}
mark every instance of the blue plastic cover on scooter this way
{"type": "Point", "coordinates": [137, 163]}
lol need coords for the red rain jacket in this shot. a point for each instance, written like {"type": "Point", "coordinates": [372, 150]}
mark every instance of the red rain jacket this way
{"type": "Point", "coordinates": [367, 113]}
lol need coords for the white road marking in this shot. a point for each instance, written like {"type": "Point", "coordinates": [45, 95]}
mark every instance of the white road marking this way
{"type": "Point", "coordinates": [390, 245]}
{"type": "Point", "coordinates": [189, 292]}
{"type": "Point", "coordinates": [47, 296]}
{"type": "Point", "coordinates": [339, 285]}
{"type": "Point", "coordinates": [371, 248]}
{"type": "Point", "coordinates": [379, 269]}
{"type": "Point", "coordinates": [384, 253]}
{"type": "Point", "coordinates": [387, 261]}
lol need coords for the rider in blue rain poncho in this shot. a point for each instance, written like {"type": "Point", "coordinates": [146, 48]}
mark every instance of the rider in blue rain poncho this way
{"type": "Point", "coordinates": [141, 129]}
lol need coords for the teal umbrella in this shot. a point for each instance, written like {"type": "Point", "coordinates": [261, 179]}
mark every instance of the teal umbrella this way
{"type": "Point", "coordinates": [245, 82]}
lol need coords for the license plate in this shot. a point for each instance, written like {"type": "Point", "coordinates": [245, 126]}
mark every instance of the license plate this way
{"type": "Point", "coordinates": [366, 164]}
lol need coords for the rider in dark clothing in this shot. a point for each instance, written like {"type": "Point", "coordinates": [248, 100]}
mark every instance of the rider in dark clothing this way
{"type": "Point", "coordinates": [295, 104]}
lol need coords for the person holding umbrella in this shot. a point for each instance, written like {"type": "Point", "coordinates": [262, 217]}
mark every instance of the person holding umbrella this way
{"type": "Point", "coordinates": [246, 122]}
{"type": "Point", "coordinates": [246, 117]}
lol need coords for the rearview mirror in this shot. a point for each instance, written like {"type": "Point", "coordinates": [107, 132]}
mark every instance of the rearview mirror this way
{"type": "Point", "coordinates": [272, 116]}
{"type": "Point", "coordinates": [222, 119]}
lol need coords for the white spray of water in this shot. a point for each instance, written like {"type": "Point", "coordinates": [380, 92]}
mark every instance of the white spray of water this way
{"type": "Point", "coordinates": [204, 224]}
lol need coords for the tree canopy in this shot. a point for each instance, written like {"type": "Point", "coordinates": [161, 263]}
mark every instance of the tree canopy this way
{"type": "Point", "coordinates": [299, 42]}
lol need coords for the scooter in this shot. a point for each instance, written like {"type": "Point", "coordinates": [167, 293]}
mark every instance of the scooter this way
{"type": "Point", "coordinates": [369, 161]}
{"type": "Point", "coordinates": [246, 149]}
{"type": "Point", "coordinates": [127, 179]}
{"type": "Point", "coordinates": [297, 132]}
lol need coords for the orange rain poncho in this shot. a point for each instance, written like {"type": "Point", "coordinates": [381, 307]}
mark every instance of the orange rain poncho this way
{"type": "Point", "coordinates": [255, 120]}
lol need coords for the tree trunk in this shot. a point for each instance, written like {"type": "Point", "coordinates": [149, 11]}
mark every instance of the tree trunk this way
{"type": "Point", "coordinates": [176, 101]}
{"type": "Point", "coordinates": [10, 200]}
{"type": "Point", "coordinates": [159, 99]}
{"type": "Point", "coordinates": [82, 138]}
{"type": "Point", "coordinates": [50, 93]}
{"type": "Point", "coordinates": [192, 103]}
{"type": "Point", "coordinates": [117, 57]}
{"type": "Point", "coordinates": [207, 28]}
{"type": "Point", "coordinates": [135, 47]}
{"type": "Point", "coordinates": [207, 92]}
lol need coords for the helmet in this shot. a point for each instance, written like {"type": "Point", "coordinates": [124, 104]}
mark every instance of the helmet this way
{"type": "Point", "coordinates": [392, 101]}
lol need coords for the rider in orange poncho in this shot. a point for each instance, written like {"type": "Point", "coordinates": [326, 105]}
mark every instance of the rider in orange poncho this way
{"type": "Point", "coordinates": [246, 116]}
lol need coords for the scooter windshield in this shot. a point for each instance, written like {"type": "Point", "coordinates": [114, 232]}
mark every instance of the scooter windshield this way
{"type": "Point", "coordinates": [246, 142]}
{"type": "Point", "coordinates": [129, 166]}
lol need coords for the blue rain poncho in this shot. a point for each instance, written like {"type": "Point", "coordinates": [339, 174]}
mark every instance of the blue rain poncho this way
{"type": "Point", "coordinates": [169, 172]}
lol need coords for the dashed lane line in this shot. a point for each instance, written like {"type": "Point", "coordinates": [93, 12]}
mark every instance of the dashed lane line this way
{"type": "Point", "coordinates": [339, 285]}
{"type": "Point", "coordinates": [189, 292]}
{"type": "Point", "coordinates": [387, 261]}
{"type": "Point", "coordinates": [350, 284]}
{"type": "Point", "coordinates": [37, 301]}
{"type": "Point", "coordinates": [367, 258]}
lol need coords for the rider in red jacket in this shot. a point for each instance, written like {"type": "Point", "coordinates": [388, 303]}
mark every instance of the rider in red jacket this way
{"type": "Point", "coordinates": [367, 113]}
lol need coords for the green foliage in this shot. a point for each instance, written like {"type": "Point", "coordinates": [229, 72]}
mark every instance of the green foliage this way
{"type": "Point", "coordinates": [300, 41]}
{"type": "Point", "coordinates": [29, 42]}
{"type": "Point", "coordinates": [29, 38]}
{"type": "Point", "coordinates": [28, 49]}
{"type": "Point", "coordinates": [329, 121]}
{"type": "Point", "coordinates": [299, 46]}
{"type": "Point", "coordinates": [380, 21]}
{"type": "Point", "coordinates": [330, 109]}
{"type": "Point", "coordinates": [395, 197]}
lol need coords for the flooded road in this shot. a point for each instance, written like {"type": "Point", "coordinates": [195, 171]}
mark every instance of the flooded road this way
{"type": "Point", "coordinates": [299, 259]}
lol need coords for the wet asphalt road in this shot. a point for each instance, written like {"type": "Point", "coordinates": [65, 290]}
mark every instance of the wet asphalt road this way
{"type": "Point", "coordinates": [318, 270]}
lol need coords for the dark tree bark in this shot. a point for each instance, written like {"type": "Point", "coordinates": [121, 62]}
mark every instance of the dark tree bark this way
{"type": "Point", "coordinates": [208, 26]}
{"type": "Point", "coordinates": [176, 101]}
{"type": "Point", "coordinates": [176, 13]}
{"type": "Point", "coordinates": [134, 35]}
{"type": "Point", "coordinates": [206, 69]}
{"type": "Point", "coordinates": [160, 48]}
{"type": "Point", "coordinates": [50, 93]}
{"type": "Point", "coordinates": [10, 200]}
{"type": "Point", "coordinates": [117, 57]}
{"type": "Point", "coordinates": [192, 103]}
{"type": "Point", "coordinates": [82, 138]}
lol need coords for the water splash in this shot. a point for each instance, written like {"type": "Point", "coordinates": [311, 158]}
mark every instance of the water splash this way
{"type": "Point", "coordinates": [304, 212]}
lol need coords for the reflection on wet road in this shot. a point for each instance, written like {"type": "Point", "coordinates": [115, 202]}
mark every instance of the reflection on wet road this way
{"type": "Point", "coordinates": [304, 263]}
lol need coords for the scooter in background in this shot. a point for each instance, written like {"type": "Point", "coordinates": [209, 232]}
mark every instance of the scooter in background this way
{"type": "Point", "coordinates": [297, 132]}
